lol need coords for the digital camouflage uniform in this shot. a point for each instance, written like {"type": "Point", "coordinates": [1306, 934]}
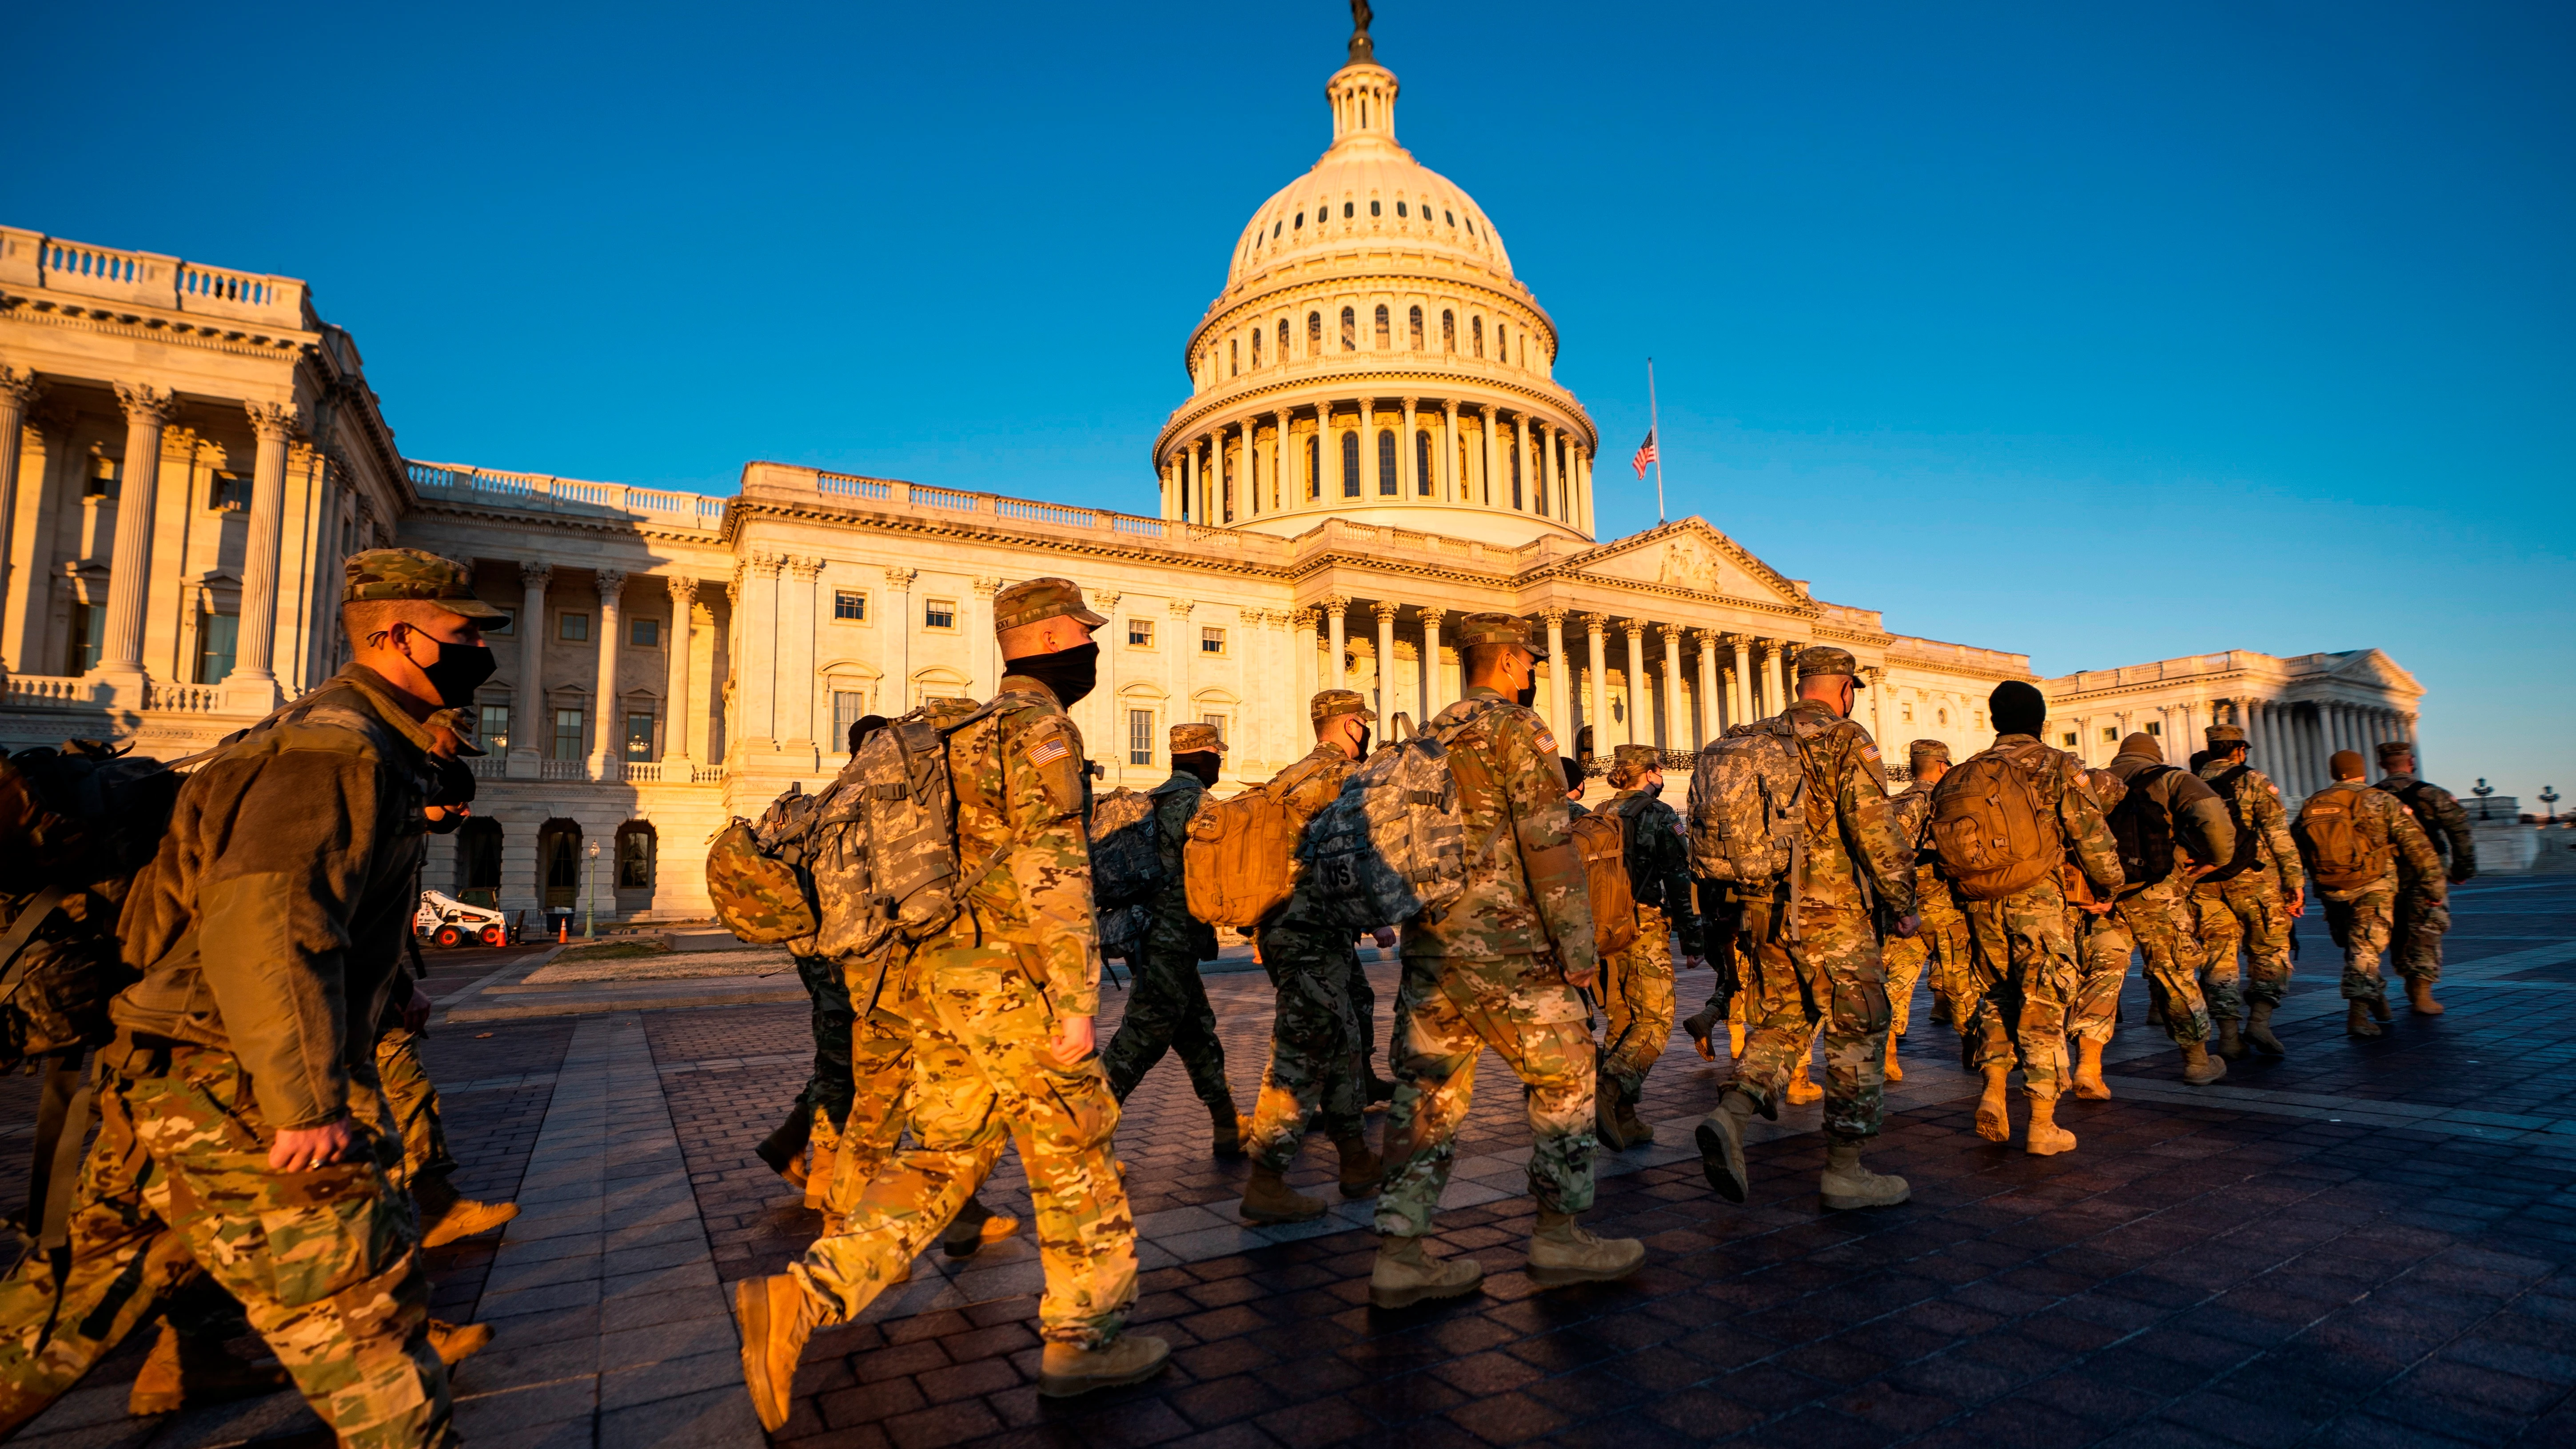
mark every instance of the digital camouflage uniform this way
{"type": "Point", "coordinates": [984, 996]}
{"type": "Point", "coordinates": [2359, 916]}
{"type": "Point", "coordinates": [1637, 984]}
{"type": "Point", "coordinates": [2423, 913]}
{"type": "Point", "coordinates": [2103, 946]}
{"type": "Point", "coordinates": [2160, 916]}
{"type": "Point", "coordinates": [1167, 1005]}
{"type": "Point", "coordinates": [2249, 909]}
{"type": "Point", "coordinates": [1816, 963]}
{"type": "Point", "coordinates": [1317, 1038]}
{"type": "Point", "coordinates": [1490, 969]}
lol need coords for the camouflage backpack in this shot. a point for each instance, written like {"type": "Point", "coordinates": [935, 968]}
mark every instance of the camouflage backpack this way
{"type": "Point", "coordinates": [1392, 845]}
{"type": "Point", "coordinates": [1993, 834]}
{"type": "Point", "coordinates": [1239, 863]}
{"type": "Point", "coordinates": [1748, 795]}
{"type": "Point", "coordinates": [1601, 840]}
{"type": "Point", "coordinates": [1126, 859]}
{"type": "Point", "coordinates": [759, 873]}
{"type": "Point", "coordinates": [2340, 856]}
{"type": "Point", "coordinates": [76, 824]}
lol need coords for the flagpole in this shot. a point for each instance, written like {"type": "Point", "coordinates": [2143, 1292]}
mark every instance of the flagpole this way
{"type": "Point", "coordinates": [1655, 430]}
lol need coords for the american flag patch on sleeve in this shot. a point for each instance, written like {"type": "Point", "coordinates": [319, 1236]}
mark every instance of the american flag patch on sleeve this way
{"type": "Point", "coordinates": [1546, 742]}
{"type": "Point", "coordinates": [1049, 750]}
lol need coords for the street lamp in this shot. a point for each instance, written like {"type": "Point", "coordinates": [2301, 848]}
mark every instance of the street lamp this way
{"type": "Point", "coordinates": [2549, 797]}
{"type": "Point", "coordinates": [590, 896]}
{"type": "Point", "coordinates": [2482, 790]}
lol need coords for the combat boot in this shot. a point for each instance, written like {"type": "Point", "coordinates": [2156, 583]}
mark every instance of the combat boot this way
{"type": "Point", "coordinates": [2357, 1022]}
{"type": "Point", "coordinates": [1994, 1116]}
{"type": "Point", "coordinates": [1229, 1127]}
{"type": "Point", "coordinates": [2199, 1068]}
{"type": "Point", "coordinates": [2231, 1044]}
{"type": "Point", "coordinates": [1563, 1252]}
{"type": "Point", "coordinates": [461, 1217]}
{"type": "Point", "coordinates": [2155, 1010]}
{"type": "Point", "coordinates": [1404, 1274]}
{"type": "Point", "coordinates": [775, 1316]}
{"type": "Point", "coordinates": [1802, 1087]}
{"type": "Point", "coordinates": [1269, 1199]}
{"type": "Point", "coordinates": [1721, 1143]}
{"type": "Point", "coordinates": [1847, 1184]}
{"type": "Point", "coordinates": [2379, 1007]}
{"type": "Point", "coordinates": [1699, 1024]}
{"type": "Point", "coordinates": [2088, 1072]}
{"type": "Point", "coordinates": [1895, 1071]}
{"type": "Point", "coordinates": [185, 1369]}
{"type": "Point", "coordinates": [2419, 997]}
{"type": "Point", "coordinates": [1605, 1114]}
{"type": "Point", "coordinates": [975, 1226]}
{"type": "Point", "coordinates": [1131, 1358]}
{"type": "Point", "coordinates": [1632, 1126]}
{"type": "Point", "coordinates": [1362, 1170]}
{"type": "Point", "coordinates": [454, 1343]}
{"type": "Point", "coordinates": [2046, 1138]}
{"type": "Point", "coordinates": [2258, 1030]}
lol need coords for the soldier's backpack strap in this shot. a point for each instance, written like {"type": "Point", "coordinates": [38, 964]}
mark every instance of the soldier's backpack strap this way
{"type": "Point", "coordinates": [993, 862]}
{"type": "Point", "coordinates": [21, 931]}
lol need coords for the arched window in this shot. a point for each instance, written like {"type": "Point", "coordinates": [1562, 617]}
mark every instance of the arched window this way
{"type": "Point", "coordinates": [1382, 339]}
{"type": "Point", "coordinates": [635, 841]}
{"type": "Point", "coordinates": [1386, 485]}
{"type": "Point", "coordinates": [1399, 208]}
{"type": "Point", "coordinates": [1277, 227]}
{"type": "Point", "coordinates": [1373, 211]}
{"type": "Point", "coordinates": [1350, 465]}
{"type": "Point", "coordinates": [478, 861]}
{"type": "Point", "coordinates": [1512, 445]}
{"type": "Point", "coordinates": [1314, 333]}
{"type": "Point", "coordinates": [559, 861]}
{"type": "Point", "coordinates": [1283, 339]}
{"type": "Point", "coordinates": [1234, 351]}
{"type": "Point", "coordinates": [1476, 332]}
{"type": "Point", "coordinates": [1422, 464]}
{"type": "Point", "coordinates": [1448, 330]}
{"type": "Point", "coordinates": [1346, 211]}
{"type": "Point", "coordinates": [1449, 217]}
{"type": "Point", "coordinates": [1350, 330]}
{"type": "Point", "coordinates": [1414, 329]}
{"type": "Point", "coordinates": [1300, 223]}
{"type": "Point", "coordinates": [1256, 347]}
{"type": "Point", "coordinates": [1315, 464]}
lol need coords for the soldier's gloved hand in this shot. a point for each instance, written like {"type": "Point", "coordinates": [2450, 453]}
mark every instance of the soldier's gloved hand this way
{"type": "Point", "coordinates": [1907, 925]}
{"type": "Point", "coordinates": [302, 1149]}
{"type": "Point", "coordinates": [1073, 1038]}
{"type": "Point", "coordinates": [416, 1011]}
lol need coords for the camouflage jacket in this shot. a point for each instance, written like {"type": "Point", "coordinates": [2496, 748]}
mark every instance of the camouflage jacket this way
{"type": "Point", "coordinates": [1525, 892]}
{"type": "Point", "coordinates": [1857, 851]}
{"type": "Point", "coordinates": [271, 924]}
{"type": "Point", "coordinates": [2383, 821]}
{"type": "Point", "coordinates": [2258, 800]}
{"type": "Point", "coordinates": [1658, 856]}
{"type": "Point", "coordinates": [1021, 788]}
{"type": "Point", "coordinates": [1306, 787]}
{"type": "Point", "coordinates": [2066, 795]}
{"type": "Point", "coordinates": [2203, 832]}
{"type": "Point", "coordinates": [1170, 929]}
{"type": "Point", "coordinates": [1913, 811]}
{"type": "Point", "coordinates": [2445, 823]}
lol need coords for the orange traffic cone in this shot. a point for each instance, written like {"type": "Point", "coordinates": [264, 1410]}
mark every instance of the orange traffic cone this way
{"type": "Point", "coordinates": [563, 931]}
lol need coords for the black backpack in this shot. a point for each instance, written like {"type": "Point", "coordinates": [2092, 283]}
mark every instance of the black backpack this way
{"type": "Point", "coordinates": [2144, 830]}
{"type": "Point", "coordinates": [1645, 883]}
{"type": "Point", "coordinates": [2247, 847]}
{"type": "Point", "coordinates": [76, 823]}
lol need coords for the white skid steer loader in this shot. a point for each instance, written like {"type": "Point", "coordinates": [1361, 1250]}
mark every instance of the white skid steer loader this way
{"type": "Point", "coordinates": [443, 920]}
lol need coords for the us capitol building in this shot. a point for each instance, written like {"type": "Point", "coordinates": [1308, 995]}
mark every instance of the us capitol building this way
{"type": "Point", "coordinates": [1373, 444]}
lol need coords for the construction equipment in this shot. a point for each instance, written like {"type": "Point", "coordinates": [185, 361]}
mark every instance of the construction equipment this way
{"type": "Point", "coordinates": [443, 920]}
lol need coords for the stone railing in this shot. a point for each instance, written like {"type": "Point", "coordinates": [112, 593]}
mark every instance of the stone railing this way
{"type": "Point", "coordinates": [563, 769]}
{"type": "Point", "coordinates": [183, 698]}
{"type": "Point", "coordinates": [541, 493]}
{"type": "Point", "coordinates": [49, 691]}
{"type": "Point", "coordinates": [494, 766]}
{"type": "Point", "coordinates": [111, 274]}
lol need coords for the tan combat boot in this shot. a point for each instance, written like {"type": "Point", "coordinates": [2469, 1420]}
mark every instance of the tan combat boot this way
{"type": "Point", "coordinates": [1068, 1369]}
{"type": "Point", "coordinates": [1404, 1274]}
{"type": "Point", "coordinates": [2046, 1138]}
{"type": "Point", "coordinates": [1229, 1128]}
{"type": "Point", "coordinates": [1269, 1199]}
{"type": "Point", "coordinates": [2258, 1030]}
{"type": "Point", "coordinates": [1847, 1184]}
{"type": "Point", "coordinates": [454, 1343]}
{"type": "Point", "coordinates": [1994, 1117]}
{"type": "Point", "coordinates": [1721, 1144]}
{"type": "Point", "coordinates": [1700, 1024]}
{"type": "Point", "coordinates": [1605, 1115]}
{"type": "Point", "coordinates": [2199, 1068]}
{"type": "Point", "coordinates": [458, 1217]}
{"type": "Point", "coordinates": [185, 1370]}
{"type": "Point", "coordinates": [2379, 1007]}
{"type": "Point", "coordinates": [1632, 1126]}
{"type": "Point", "coordinates": [1563, 1252]}
{"type": "Point", "coordinates": [2088, 1072]}
{"type": "Point", "coordinates": [1895, 1071]}
{"type": "Point", "coordinates": [2419, 997]}
{"type": "Point", "coordinates": [775, 1317]}
{"type": "Point", "coordinates": [2357, 1022]}
{"type": "Point", "coordinates": [2231, 1044]}
{"type": "Point", "coordinates": [1802, 1087]}
{"type": "Point", "coordinates": [1362, 1170]}
{"type": "Point", "coordinates": [974, 1227]}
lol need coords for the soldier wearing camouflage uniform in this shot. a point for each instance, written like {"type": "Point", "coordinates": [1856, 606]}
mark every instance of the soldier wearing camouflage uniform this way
{"type": "Point", "coordinates": [269, 932]}
{"type": "Point", "coordinates": [1637, 984]}
{"type": "Point", "coordinates": [1498, 966]}
{"type": "Point", "coordinates": [2423, 914]}
{"type": "Point", "coordinates": [2159, 915]}
{"type": "Point", "coordinates": [2358, 916]}
{"type": "Point", "coordinates": [2250, 902]}
{"type": "Point", "coordinates": [1941, 943]}
{"type": "Point", "coordinates": [2103, 946]}
{"type": "Point", "coordinates": [1167, 1007]}
{"type": "Point", "coordinates": [1001, 1000]}
{"type": "Point", "coordinates": [1316, 1038]}
{"type": "Point", "coordinates": [1817, 967]}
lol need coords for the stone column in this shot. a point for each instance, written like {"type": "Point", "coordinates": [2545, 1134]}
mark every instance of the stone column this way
{"type": "Point", "coordinates": [1302, 643]}
{"type": "Point", "coordinates": [1709, 721]}
{"type": "Point", "coordinates": [2258, 741]}
{"type": "Point", "coordinates": [1641, 695]}
{"type": "Point", "coordinates": [1559, 706]}
{"type": "Point", "coordinates": [528, 727]}
{"type": "Point", "coordinates": [1549, 485]}
{"type": "Point", "coordinates": [1334, 605]}
{"type": "Point", "coordinates": [1190, 482]}
{"type": "Point", "coordinates": [1172, 486]}
{"type": "Point", "coordinates": [1435, 675]}
{"type": "Point", "coordinates": [1528, 473]}
{"type": "Point", "coordinates": [19, 391]}
{"type": "Point", "coordinates": [147, 411]}
{"type": "Point", "coordinates": [983, 647]}
{"type": "Point", "coordinates": [1740, 697]}
{"type": "Point", "coordinates": [897, 623]}
{"type": "Point", "coordinates": [1181, 653]}
{"type": "Point", "coordinates": [1282, 476]}
{"type": "Point", "coordinates": [607, 752]}
{"type": "Point", "coordinates": [252, 686]}
{"type": "Point", "coordinates": [797, 697]}
{"type": "Point", "coordinates": [1453, 489]}
{"type": "Point", "coordinates": [677, 767]}
{"type": "Point", "coordinates": [1494, 497]}
{"type": "Point", "coordinates": [1408, 486]}
{"type": "Point", "coordinates": [1594, 629]}
{"type": "Point", "coordinates": [1386, 613]}
{"type": "Point", "coordinates": [1783, 660]}
{"type": "Point", "coordinates": [1872, 678]}
{"type": "Point", "coordinates": [1583, 458]}
{"type": "Point", "coordinates": [1104, 699]}
{"type": "Point", "coordinates": [1675, 737]}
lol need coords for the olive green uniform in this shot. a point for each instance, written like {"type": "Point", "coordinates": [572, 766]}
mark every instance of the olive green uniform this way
{"type": "Point", "coordinates": [1167, 1006]}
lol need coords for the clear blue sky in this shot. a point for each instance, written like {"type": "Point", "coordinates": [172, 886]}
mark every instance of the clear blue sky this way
{"type": "Point", "coordinates": [2104, 335]}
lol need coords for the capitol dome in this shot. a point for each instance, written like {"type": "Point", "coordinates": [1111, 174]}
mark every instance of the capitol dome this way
{"type": "Point", "coordinates": [1372, 356]}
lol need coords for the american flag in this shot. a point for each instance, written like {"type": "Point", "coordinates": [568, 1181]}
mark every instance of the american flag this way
{"type": "Point", "coordinates": [1645, 455]}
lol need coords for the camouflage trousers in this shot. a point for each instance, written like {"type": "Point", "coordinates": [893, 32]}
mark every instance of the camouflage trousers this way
{"type": "Point", "coordinates": [411, 1102]}
{"type": "Point", "coordinates": [323, 1263]}
{"type": "Point", "coordinates": [983, 1076]}
{"type": "Point", "coordinates": [1316, 1044]}
{"type": "Point", "coordinates": [2026, 975]}
{"type": "Point", "coordinates": [879, 1086]}
{"type": "Point", "coordinates": [1167, 1010]}
{"type": "Point", "coordinates": [2245, 914]}
{"type": "Point", "coordinates": [1637, 997]}
{"type": "Point", "coordinates": [2161, 920]}
{"type": "Point", "coordinates": [2422, 920]}
{"type": "Point", "coordinates": [1447, 1009]}
{"type": "Point", "coordinates": [1944, 936]}
{"type": "Point", "coordinates": [2361, 927]}
{"type": "Point", "coordinates": [1829, 982]}
{"type": "Point", "coordinates": [2103, 946]}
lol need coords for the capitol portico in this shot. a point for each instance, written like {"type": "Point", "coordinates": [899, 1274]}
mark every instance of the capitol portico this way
{"type": "Point", "coordinates": [1373, 444]}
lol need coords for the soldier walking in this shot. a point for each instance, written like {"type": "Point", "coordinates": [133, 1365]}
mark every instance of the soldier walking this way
{"type": "Point", "coordinates": [1499, 966]}
{"type": "Point", "coordinates": [2171, 827]}
{"type": "Point", "coordinates": [1167, 1008]}
{"type": "Point", "coordinates": [1637, 984]}
{"type": "Point", "coordinates": [2423, 916]}
{"type": "Point", "coordinates": [1940, 944]}
{"type": "Point", "coordinates": [2353, 840]}
{"type": "Point", "coordinates": [1816, 962]}
{"type": "Point", "coordinates": [1001, 1000]}
{"type": "Point", "coordinates": [2103, 946]}
{"type": "Point", "coordinates": [2249, 902]}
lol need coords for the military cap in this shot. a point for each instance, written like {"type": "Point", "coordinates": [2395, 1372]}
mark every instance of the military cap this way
{"type": "Point", "coordinates": [1196, 739]}
{"type": "Point", "coordinates": [1034, 601]}
{"type": "Point", "coordinates": [409, 573]}
{"type": "Point", "coordinates": [2220, 736]}
{"type": "Point", "coordinates": [1826, 659]}
{"type": "Point", "coordinates": [1927, 752]}
{"type": "Point", "coordinates": [1636, 757]}
{"type": "Point", "coordinates": [454, 722]}
{"type": "Point", "coordinates": [1497, 629]}
{"type": "Point", "coordinates": [1338, 701]}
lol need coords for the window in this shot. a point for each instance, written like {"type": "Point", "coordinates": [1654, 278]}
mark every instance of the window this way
{"type": "Point", "coordinates": [478, 861]}
{"type": "Point", "coordinates": [1422, 465]}
{"type": "Point", "coordinates": [2155, 729]}
{"type": "Point", "coordinates": [850, 605]}
{"type": "Point", "coordinates": [1314, 333]}
{"type": "Point", "coordinates": [939, 613]}
{"type": "Point", "coordinates": [573, 627]}
{"type": "Point", "coordinates": [1346, 211]}
{"type": "Point", "coordinates": [1512, 445]}
{"type": "Point", "coordinates": [1399, 208]}
{"type": "Point", "coordinates": [1283, 339]}
{"type": "Point", "coordinates": [1300, 222]}
{"type": "Point", "coordinates": [1386, 484]}
{"type": "Point", "coordinates": [1314, 465]}
{"type": "Point", "coordinates": [635, 856]}
{"type": "Point", "coordinates": [1211, 641]}
{"type": "Point", "coordinates": [644, 633]}
{"type": "Point", "coordinates": [1140, 633]}
{"type": "Point", "coordinates": [639, 737]}
{"type": "Point", "coordinates": [1234, 356]}
{"type": "Point", "coordinates": [501, 626]}
{"type": "Point", "coordinates": [1350, 330]}
{"type": "Point", "coordinates": [1373, 211]}
{"type": "Point", "coordinates": [1909, 714]}
{"type": "Point", "coordinates": [216, 636]}
{"type": "Point", "coordinates": [568, 734]}
{"type": "Point", "coordinates": [1980, 718]}
{"type": "Point", "coordinates": [1350, 465]}
{"type": "Point", "coordinates": [1448, 330]}
{"type": "Point", "coordinates": [1941, 717]}
{"type": "Point", "coordinates": [101, 482]}
{"type": "Point", "coordinates": [493, 730]}
{"type": "Point", "coordinates": [849, 706]}
{"type": "Point", "coordinates": [2069, 739]}
{"type": "Point", "coordinates": [1215, 722]}
{"type": "Point", "coordinates": [1277, 227]}
{"type": "Point", "coordinates": [1414, 330]}
{"type": "Point", "coordinates": [1449, 217]}
{"type": "Point", "coordinates": [1256, 347]}
{"type": "Point", "coordinates": [2110, 734]}
{"type": "Point", "coordinates": [231, 492]}
{"type": "Point", "coordinates": [1476, 334]}
{"type": "Point", "coordinates": [1471, 223]}
{"type": "Point", "coordinates": [1382, 342]}
{"type": "Point", "coordinates": [1140, 737]}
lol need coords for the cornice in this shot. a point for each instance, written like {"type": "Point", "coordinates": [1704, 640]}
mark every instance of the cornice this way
{"type": "Point", "coordinates": [1192, 416]}
{"type": "Point", "coordinates": [573, 522]}
{"type": "Point", "coordinates": [150, 327]}
{"type": "Point", "coordinates": [1220, 308]}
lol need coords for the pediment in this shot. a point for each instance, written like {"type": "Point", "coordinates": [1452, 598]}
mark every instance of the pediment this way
{"type": "Point", "coordinates": [1689, 554]}
{"type": "Point", "coordinates": [2373, 666]}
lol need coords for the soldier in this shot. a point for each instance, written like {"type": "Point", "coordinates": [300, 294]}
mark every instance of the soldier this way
{"type": "Point", "coordinates": [1001, 1000]}
{"type": "Point", "coordinates": [2173, 813]}
{"type": "Point", "coordinates": [1316, 1039]}
{"type": "Point", "coordinates": [2422, 917]}
{"type": "Point", "coordinates": [2252, 899]}
{"type": "Point", "coordinates": [1816, 967]}
{"type": "Point", "coordinates": [1499, 966]}
{"type": "Point", "coordinates": [2019, 940]}
{"type": "Point", "coordinates": [1637, 984]}
{"type": "Point", "coordinates": [1941, 943]}
{"type": "Point", "coordinates": [2103, 946]}
{"type": "Point", "coordinates": [2353, 840]}
{"type": "Point", "coordinates": [1167, 1009]}
{"type": "Point", "coordinates": [269, 932]}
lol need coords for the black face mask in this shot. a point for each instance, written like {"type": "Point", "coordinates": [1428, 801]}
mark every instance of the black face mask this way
{"type": "Point", "coordinates": [1068, 674]}
{"type": "Point", "coordinates": [1206, 770]}
{"type": "Point", "coordinates": [457, 671]}
{"type": "Point", "coordinates": [1364, 745]}
{"type": "Point", "coordinates": [1528, 697]}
